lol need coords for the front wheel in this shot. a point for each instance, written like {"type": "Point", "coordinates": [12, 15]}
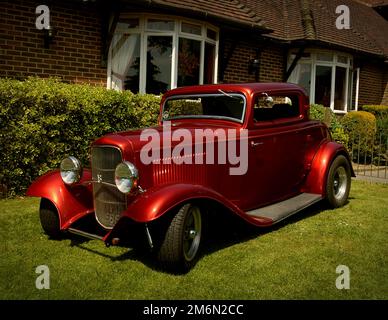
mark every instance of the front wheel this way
{"type": "Point", "coordinates": [180, 247]}
{"type": "Point", "coordinates": [338, 182]}
{"type": "Point", "coordinates": [49, 219]}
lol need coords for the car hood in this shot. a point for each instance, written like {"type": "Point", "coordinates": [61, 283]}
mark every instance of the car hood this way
{"type": "Point", "coordinates": [132, 139]}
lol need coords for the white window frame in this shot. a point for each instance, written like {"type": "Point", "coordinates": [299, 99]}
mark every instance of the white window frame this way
{"type": "Point", "coordinates": [314, 62]}
{"type": "Point", "coordinates": [175, 34]}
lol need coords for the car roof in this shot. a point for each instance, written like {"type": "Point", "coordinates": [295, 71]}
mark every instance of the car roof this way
{"type": "Point", "coordinates": [247, 88]}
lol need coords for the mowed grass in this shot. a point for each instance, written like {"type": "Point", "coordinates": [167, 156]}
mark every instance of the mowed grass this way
{"type": "Point", "coordinates": [296, 259]}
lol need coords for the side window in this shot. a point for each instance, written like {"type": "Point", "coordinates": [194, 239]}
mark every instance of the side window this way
{"type": "Point", "coordinates": [269, 108]}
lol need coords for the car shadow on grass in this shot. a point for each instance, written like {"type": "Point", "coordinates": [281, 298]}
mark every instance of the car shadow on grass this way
{"type": "Point", "coordinates": [236, 231]}
{"type": "Point", "coordinates": [223, 230]}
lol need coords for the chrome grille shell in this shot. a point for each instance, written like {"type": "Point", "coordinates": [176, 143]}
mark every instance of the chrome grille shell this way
{"type": "Point", "coordinates": [109, 202]}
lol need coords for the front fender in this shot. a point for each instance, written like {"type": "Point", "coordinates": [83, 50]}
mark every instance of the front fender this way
{"type": "Point", "coordinates": [155, 202]}
{"type": "Point", "coordinates": [72, 202]}
{"type": "Point", "coordinates": [316, 180]}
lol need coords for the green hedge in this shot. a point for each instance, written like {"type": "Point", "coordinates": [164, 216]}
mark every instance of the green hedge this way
{"type": "Point", "coordinates": [42, 121]}
{"type": "Point", "coordinates": [378, 111]}
{"type": "Point", "coordinates": [381, 114]}
{"type": "Point", "coordinates": [317, 112]}
{"type": "Point", "coordinates": [361, 128]}
{"type": "Point", "coordinates": [360, 123]}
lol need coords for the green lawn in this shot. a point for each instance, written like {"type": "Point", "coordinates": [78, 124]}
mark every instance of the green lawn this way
{"type": "Point", "coordinates": [295, 260]}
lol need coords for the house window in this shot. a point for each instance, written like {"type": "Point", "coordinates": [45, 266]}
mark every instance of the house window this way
{"type": "Point", "coordinates": [152, 54]}
{"type": "Point", "coordinates": [327, 77]}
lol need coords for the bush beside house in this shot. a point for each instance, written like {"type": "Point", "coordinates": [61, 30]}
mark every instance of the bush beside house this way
{"type": "Point", "coordinates": [317, 112]}
{"type": "Point", "coordinates": [42, 121]}
{"type": "Point", "coordinates": [381, 114]}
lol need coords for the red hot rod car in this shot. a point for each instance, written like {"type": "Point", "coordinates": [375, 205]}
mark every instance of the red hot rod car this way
{"type": "Point", "coordinates": [250, 148]}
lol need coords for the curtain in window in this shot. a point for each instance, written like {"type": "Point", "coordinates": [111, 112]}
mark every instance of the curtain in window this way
{"type": "Point", "coordinates": [125, 62]}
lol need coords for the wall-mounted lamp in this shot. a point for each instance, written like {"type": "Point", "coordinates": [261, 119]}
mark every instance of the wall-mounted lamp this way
{"type": "Point", "coordinates": [254, 65]}
{"type": "Point", "coordinates": [49, 34]}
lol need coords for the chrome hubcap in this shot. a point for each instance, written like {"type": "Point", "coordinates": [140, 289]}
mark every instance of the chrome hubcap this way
{"type": "Point", "coordinates": [340, 183]}
{"type": "Point", "coordinates": [192, 233]}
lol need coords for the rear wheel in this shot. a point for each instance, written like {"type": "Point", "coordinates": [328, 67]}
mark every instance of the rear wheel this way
{"type": "Point", "coordinates": [338, 182]}
{"type": "Point", "coordinates": [180, 247]}
{"type": "Point", "coordinates": [49, 219]}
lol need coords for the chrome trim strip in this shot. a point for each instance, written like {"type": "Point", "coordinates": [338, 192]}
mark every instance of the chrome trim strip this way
{"type": "Point", "coordinates": [84, 234]}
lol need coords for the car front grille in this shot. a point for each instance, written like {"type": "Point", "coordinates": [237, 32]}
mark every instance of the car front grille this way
{"type": "Point", "coordinates": [109, 202]}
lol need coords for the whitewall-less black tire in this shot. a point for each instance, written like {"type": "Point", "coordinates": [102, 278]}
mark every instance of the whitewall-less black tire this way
{"type": "Point", "coordinates": [179, 249]}
{"type": "Point", "coordinates": [49, 219]}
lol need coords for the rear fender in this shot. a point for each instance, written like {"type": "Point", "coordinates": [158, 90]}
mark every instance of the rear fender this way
{"type": "Point", "coordinates": [316, 179]}
{"type": "Point", "coordinates": [72, 202]}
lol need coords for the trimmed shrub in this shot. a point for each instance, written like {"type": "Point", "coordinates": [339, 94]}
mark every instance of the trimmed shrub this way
{"type": "Point", "coordinates": [379, 111]}
{"type": "Point", "coordinates": [317, 112]}
{"type": "Point", "coordinates": [360, 124]}
{"type": "Point", "coordinates": [44, 120]}
{"type": "Point", "coordinates": [381, 114]}
{"type": "Point", "coordinates": [361, 128]}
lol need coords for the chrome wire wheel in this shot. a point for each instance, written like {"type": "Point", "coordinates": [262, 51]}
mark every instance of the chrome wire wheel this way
{"type": "Point", "coordinates": [340, 183]}
{"type": "Point", "coordinates": [192, 233]}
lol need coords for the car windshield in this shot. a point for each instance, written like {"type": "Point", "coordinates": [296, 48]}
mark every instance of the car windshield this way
{"type": "Point", "coordinates": [214, 106]}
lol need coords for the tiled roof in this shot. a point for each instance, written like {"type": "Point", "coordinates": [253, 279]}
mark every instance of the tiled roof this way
{"type": "Point", "coordinates": [316, 20]}
{"type": "Point", "coordinates": [231, 10]}
{"type": "Point", "coordinates": [291, 20]}
{"type": "Point", "coordinates": [374, 3]}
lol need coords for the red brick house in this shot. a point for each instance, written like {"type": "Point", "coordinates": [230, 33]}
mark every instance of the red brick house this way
{"type": "Point", "coordinates": [154, 45]}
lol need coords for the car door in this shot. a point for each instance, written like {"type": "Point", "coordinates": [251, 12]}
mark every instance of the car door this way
{"type": "Point", "coordinates": [276, 151]}
{"type": "Point", "coordinates": [259, 186]}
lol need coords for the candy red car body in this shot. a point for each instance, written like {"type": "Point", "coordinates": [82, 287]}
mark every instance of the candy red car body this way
{"type": "Point", "coordinates": [286, 162]}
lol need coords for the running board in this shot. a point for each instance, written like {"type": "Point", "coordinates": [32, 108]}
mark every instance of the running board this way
{"type": "Point", "coordinates": [281, 210]}
{"type": "Point", "coordinates": [84, 234]}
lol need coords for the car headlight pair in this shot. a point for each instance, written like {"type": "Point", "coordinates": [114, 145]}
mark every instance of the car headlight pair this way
{"type": "Point", "coordinates": [126, 174]}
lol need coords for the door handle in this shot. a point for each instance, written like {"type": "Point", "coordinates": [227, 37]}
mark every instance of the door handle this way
{"type": "Point", "coordinates": [255, 144]}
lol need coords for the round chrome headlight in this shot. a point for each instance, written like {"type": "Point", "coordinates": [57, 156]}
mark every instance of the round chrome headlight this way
{"type": "Point", "coordinates": [71, 170]}
{"type": "Point", "coordinates": [126, 177]}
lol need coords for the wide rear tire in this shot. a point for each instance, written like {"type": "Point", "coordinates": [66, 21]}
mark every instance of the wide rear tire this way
{"type": "Point", "coordinates": [338, 182]}
{"type": "Point", "coordinates": [179, 249]}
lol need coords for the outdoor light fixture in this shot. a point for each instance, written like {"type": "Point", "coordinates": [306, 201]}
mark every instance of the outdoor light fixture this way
{"type": "Point", "coordinates": [48, 35]}
{"type": "Point", "coordinates": [254, 65]}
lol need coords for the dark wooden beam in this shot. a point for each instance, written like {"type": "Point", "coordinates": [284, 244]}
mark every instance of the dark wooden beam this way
{"type": "Point", "coordinates": [225, 60]}
{"type": "Point", "coordinates": [294, 63]}
{"type": "Point", "coordinates": [108, 10]}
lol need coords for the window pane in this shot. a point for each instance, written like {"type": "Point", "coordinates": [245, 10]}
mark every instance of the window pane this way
{"type": "Point", "coordinates": [323, 85]}
{"type": "Point", "coordinates": [210, 106]}
{"type": "Point", "coordinates": [277, 107]}
{"type": "Point", "coordinates": [301, 75]}
{"type": "Point", "coordinates": [325, 57]}
{"type": "Point", "coordinates": [211, 34]}
{"type": "Point", "coordinates": [159, 50]}
{"type": "Point", "coordinates": [191, 28]}
{"type": "Point", "coordinates": [125, 62]}
{"type": "Point", "coordinates": [342, 59]}
{"type": "Point", "coordinates": [188, 62]}
{"type": "Point", "coordinates": [155, 24]}
{"type": "Point", "coordinates": [208, 72]}
{"type": "Point", "coordinates": [124, 24]}
{"type": "Point", "coordinates": [340, 88]}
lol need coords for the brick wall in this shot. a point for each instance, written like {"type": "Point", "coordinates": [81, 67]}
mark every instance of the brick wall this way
{"type": "Point", "coordinates": [385, 88]}
{"type": "Point", "coordinates": [237, 70]}
{"type": "Point", "coordinates": [74, 55]}
{"type": "Point", "coordinates": [373, 83]}
{"type": "Point", "coordinates": [272, 64]}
